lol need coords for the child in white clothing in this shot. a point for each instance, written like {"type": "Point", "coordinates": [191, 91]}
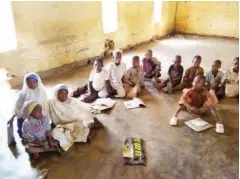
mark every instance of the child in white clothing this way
{"type": "Point", "coordinates": [116, 70]}
{"type": "Point", "coordinates": [98, 85]}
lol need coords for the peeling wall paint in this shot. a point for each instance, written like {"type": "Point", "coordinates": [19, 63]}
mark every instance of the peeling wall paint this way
{"type": "Point", "coordinates": [51, 34]}
{"type": "Point", "coordinates": [208, 18]}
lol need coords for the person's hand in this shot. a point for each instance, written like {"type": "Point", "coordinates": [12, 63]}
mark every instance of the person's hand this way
{"type": "Point", "coordinates": [146, 75]}
{"type": "Point", "coordinates": [110, 90]}
{"type": "Point", "coordinates": [46, 146]}
{"type": "Point", "coordinates": [201, 110]}
{"type": "Point", "coordinates": [73, 93]}
{"type": "Point", "coordinates": [89, 93]}
{"type": "Point", "coordinates": [49, 134]}
{"type": "Point", "coordinates": [9, 122]}
{"type": "Point", "coordinates": [53, 143]}
{"type": "Point", "coordinates": [132, 85]}
{"type": "Point", "coordinates": [153, 73]}
{"type": "Point", "coordinates": [113, 91]}
{"type": "Point", "coordinates": [227, 81]}
{"type": "Point", "coordinates": [214, 87]}
{"type": "Point", "coordinates": [193, 108]}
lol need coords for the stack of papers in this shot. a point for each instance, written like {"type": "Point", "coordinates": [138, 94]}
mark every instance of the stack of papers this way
{"type": "Point", "coordinates": [135, 103]}
{"type": "Point", "coordinates": [198, 124]}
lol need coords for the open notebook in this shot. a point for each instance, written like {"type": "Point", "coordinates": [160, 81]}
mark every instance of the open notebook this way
{"type": "Point", "coordinates": [102, 104]}
{"type": "Point", "coordinates": [198, 124]}
{"type": "Point", "coordinates": [134, 103]}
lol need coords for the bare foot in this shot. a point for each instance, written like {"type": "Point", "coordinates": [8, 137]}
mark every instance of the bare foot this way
{"type": "Point", "coordinates": [164, 90]}
{"type": "Point", "coordinates": [157, 85]}
{"type": "Point", "coordinates": [35, 156]}
{"type": "Point", "coordinates": [59, 150]}
{"type": "Point", "coordinates": [142, 86]}
{"type": "Point", "coordinates": [91, 135]}
{"type": "Point", "coordinates": [89, 140]}
{"type": "Point", "coordinates": [43, 174]}
{"type": "Point", "coordinates": [97, 123]}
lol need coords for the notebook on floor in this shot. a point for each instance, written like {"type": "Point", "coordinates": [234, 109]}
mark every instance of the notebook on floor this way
{"type": "Point", "coordinates": [134, 103]}
{"type": "Point", "coordinates": [102, 104]}
{"type": "Point", "coordinates": [198, 124]}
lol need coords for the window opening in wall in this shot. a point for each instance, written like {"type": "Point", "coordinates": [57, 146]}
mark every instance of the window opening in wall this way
{"type": "Point", "coordinates": [157, 11]}
{"type": "Point", "coordinates": [7, 30]}
{"type": "Point", "coordinates": [109, 16]}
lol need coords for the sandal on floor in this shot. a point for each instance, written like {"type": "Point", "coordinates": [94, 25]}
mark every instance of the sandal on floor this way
{"type": "Point", "coordinates": [219, 128]}
{"type": "Point", "coordinates": [173, 121]}
{"type": "Point", "coordinates": [42, 174]}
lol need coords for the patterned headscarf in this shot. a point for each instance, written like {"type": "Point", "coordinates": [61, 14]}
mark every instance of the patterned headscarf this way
{"type": "Point", "coordinates": [28, 108]}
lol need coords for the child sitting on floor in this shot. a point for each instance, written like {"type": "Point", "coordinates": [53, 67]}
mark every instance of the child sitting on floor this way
{"type": "Point", "coordinates": [131, 79]}
{"type": "Point", "coordinates": [214, 78]}
{"type": "Point", "coordinates": [37, 130]}
{"type": "Point", "coordinates": [72, 120]}
{"type": "Point", "coordinates": [230, 80]}
{"type": "Point", "coordinates": [116, 70]}
{"type": "Point", "coordinates": [151, 67]}
{"type": "Point", "coordinates": [65, 109]}
{"type": "Point", "coordinates": [191, 73]}
{"type": "Point", "coordinates": [175, 73]}
{"type": "Point", "coordinates": [97, 86]}
{"type": "Point", "coordinates": [34, 90]}
{"type": "Point", "coordinates": [199, 100]}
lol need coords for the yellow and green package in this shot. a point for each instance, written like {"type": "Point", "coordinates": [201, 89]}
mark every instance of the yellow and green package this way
{"type": "Point", "coordinates": [133, 151]}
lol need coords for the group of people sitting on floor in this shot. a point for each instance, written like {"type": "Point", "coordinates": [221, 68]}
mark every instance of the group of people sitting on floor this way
{"type": "Point", "coordinates": [54, 124]}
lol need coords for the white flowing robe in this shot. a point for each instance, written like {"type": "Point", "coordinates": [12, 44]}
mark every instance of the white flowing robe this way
{"type": "Point", "coordinates": [72, 120]}
{"type": "Point", "coordinates": [38, 95]}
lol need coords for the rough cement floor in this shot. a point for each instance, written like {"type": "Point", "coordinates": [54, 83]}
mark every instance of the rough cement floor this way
{"type": "Point", "coordinates": [172, 152]}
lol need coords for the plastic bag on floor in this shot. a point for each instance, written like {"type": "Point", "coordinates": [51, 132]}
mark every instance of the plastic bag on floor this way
{"type": "Point", "coordinates": [133, 151]}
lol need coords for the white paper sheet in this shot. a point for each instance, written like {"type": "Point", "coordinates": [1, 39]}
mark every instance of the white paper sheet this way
{"type": "Point", "coordinates": [134, 103]}
{"type": "Point", "coordinates": [102, 104]}
{"type": "Point", "coordinates": [198, 124]}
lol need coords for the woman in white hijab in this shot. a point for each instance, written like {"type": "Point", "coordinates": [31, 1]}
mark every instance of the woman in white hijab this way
{"type": "Point", "coordinates": [32, 90]}
{"type": "Point", "coordinates": [72, 121]}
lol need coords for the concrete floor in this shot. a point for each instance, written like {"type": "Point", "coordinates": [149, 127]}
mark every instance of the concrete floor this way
{"type": "Point", "coordinates": [172, 152]}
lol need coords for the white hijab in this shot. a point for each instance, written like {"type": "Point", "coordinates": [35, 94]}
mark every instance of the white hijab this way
{"type": "Point", "coordinates": [27, 94]}
{"type": "Point", "coordinates": [68, 111]}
